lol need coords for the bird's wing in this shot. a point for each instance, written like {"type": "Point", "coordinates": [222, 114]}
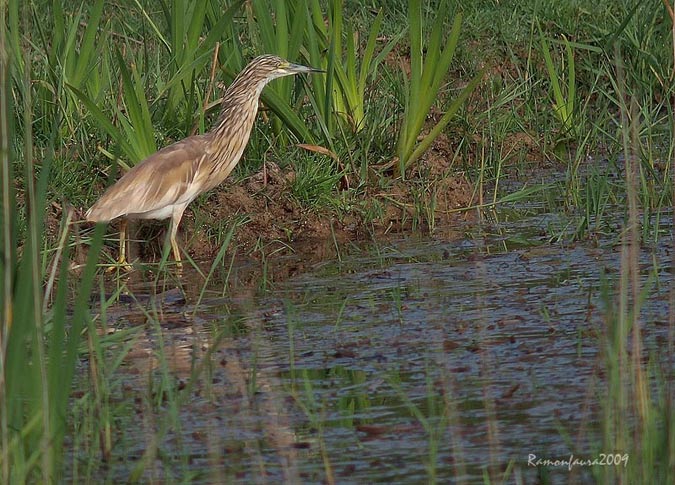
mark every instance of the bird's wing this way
{"type": "Point", "coordinates": [159, 181]}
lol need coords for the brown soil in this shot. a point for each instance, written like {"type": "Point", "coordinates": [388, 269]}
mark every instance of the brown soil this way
{"type": "Point", "coordinates": [278, 224]}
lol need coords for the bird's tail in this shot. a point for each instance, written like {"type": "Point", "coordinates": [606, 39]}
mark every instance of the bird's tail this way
{"type": "Point", "coordinates": [99, 214]}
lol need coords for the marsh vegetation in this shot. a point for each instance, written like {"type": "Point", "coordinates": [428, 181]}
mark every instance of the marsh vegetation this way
{"type": "Point", "coordinates": [449, 252]}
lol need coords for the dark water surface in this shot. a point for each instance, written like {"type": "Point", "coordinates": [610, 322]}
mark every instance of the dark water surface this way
{"type": "Point", "coordinates": [419, 359]}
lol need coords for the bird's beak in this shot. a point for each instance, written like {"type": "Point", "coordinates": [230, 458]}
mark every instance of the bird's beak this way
{"type": "Point", "coordinates": [298, 68]}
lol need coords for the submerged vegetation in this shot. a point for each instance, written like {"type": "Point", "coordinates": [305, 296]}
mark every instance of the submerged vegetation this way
{"type": "Point", "coordinates": [427, 110]}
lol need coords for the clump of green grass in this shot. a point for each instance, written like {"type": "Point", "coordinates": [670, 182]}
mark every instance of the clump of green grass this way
{"type": "Point", "coordinates": [564, 102]}
{"type": "Point", "coordinates": [315, 178]}
{"type": "Point", "coordinates": [428, 67]}
{"type": "Point", "coordinates": [350, 67]}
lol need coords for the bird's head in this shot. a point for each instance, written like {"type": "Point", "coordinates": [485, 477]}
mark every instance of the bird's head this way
{"type": "Point", "coordinates": [274, 67]}
{"type": "Point", "coordinates": [263, 69]}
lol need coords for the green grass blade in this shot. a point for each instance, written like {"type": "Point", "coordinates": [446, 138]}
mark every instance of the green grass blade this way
{"type": "Point", "coordinates": [435, 69]}
{"type": "Point", "coordinates": [7, 230]}
{"type": "Point", "coordinates": [552, 73]}
{"type": "Point", "coordinates": [282, 35]}
{"type": "Point", "coordinates": [334, 43]}
{"type": "Point", "coordinates": [351, 62]}
{"type": "Point", "coordinates": [196, 27]}
{"type": "Point", "coordinates": [560, 105]}
{"type": "Point", "coordinates": [367, 65]}
{"type": "Point", "coordinates": [183, 73]}
{"type": "Point", "coordinates": [416, 55]}
{"type": "Point", "coordinates": [571, 84]}
{"type": "Point", "coordinates": [65, 59]}
{"type": "Point", "coordinates": [265, 25]}
{"type": "Point", "coordinates": [298, 23]}
{"type": "Point", "coordinates": [179, 11]}
{"type": "Point", "coordinates": [155, 29]}
{"type": "Point", "coordinates": [447, 55]}
{"type": "Point", "coordinates": [216, 31]}
{"type": "Point", "coordinates": [315, 40]}
{"type": "Point", "coordinates": [524, 193]}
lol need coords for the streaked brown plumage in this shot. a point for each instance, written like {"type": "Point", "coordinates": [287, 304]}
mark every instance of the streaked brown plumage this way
{"type": "Point", "coordinates": [164, 184]}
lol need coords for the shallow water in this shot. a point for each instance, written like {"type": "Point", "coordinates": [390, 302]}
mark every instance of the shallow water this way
{"type": "Point", "coordinates": [424, 358]}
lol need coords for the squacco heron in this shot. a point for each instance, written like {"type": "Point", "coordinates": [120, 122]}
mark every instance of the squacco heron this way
{"type": "Point", "coordinates": [164, 184]}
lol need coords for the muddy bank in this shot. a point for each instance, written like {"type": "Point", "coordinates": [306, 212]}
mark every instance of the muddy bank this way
{"type": "Point", "coordinates": [276, 223]}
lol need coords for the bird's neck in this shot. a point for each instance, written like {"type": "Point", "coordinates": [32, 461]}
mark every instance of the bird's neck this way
{"type": "Point", "coordinates": [240, 104]}
{"type": "Point", "coordinates": [236, 118]}
{"type": "Point", "coordinates": [226, 141]}
{"type": "Point", "coordinates": [238, 108]}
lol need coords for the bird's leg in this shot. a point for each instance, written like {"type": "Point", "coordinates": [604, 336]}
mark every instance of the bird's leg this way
{"type": "Point", "coordinates": [122, 259]}
{"type": "Point", "coordinates": [175, 221]}
{"type": "Point", "coordinates": [176, 252]}
{"type": "Point", "coordinates": [123, 243]}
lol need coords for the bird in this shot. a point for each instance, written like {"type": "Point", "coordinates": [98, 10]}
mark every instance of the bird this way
{"type": "Point", "coordinates": [164, 184]}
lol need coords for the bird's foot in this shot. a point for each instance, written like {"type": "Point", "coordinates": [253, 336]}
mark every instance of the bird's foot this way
{"type": "Point", "coordinates": [122, 264]}
{"type": "Point", "coordinates": [179, 269]}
